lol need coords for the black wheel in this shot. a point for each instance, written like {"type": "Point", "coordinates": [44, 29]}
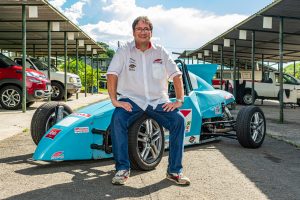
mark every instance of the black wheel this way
{"type": "Point", "coordinates": [30, 103]}
{"type": "Point", "coordinates": [247, 98]}
{"type": "Point", "coordinates": [57, 91]}
{"type": "Point", "coordinates": [146, 143]}
{"type": "Point", "coordinates": [11, 97]}
{"type": "Point", "coordinates": [251, 127]}
{"type": "Point", "coordinates": [45, 117]}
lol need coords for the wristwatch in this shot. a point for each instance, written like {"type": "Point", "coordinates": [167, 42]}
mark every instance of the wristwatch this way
{"type": "Point", "coordinates": [180, 100]}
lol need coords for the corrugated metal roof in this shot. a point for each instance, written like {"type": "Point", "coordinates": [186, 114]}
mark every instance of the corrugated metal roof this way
{"type": "Point", "coordinates": [267, 40]}
{"type": "Point", "coordinates": [37, 28]}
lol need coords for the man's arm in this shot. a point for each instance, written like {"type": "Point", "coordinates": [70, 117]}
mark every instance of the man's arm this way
{"type": "Point", "coordinates": [178, 86]}
{"type": "Point", "coordinates": [112, 82]}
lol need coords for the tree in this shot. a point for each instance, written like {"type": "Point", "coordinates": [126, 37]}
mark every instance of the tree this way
{"type": "Point", "coordinates": [290, 70]}
{"type": "Point", "coordinates": [109, 52]}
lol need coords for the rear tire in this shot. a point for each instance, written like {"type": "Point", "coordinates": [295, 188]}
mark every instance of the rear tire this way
{"type": "Point", "coordinates": [145, 144]}
{"type": "Point", "coordinates": [57, 91]}
{"type": "Point", "coordinates": [251, 127]}
{"type": "Point", "coordinates": [44, 118]}
{"type": "Point", "coordinates": [247, 98]}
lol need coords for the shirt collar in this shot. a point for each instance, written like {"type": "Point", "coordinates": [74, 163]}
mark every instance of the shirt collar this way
{"type": "Point", "coordinates": [132, 45]}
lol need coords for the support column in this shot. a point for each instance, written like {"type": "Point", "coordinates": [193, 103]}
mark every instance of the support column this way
{"type": "Point", "coordinates": [65, 66]}
{"type": "Point", "coordinates": [222, 63]}
{"type": "Point", "coordinates": [77, 62]}
{"type": "Point", "coordinates": [97, 73]}
{"type": "Point", "coordinates": [234, 68]}
{"type": "Point", "coordinates": [262, 67]}
{"type": "Point", "coordinates": [281, 68]}
{"type": "Point", "coordinates": [294, 68]}
{"type": "Point", "coordinates": [24, 90]}
{"type": "Point", "coordinates": [85, 84]}
{"type": "Point", "coordinates": [49, 49]}
{"type": "Point", "coordinates": [92, 60]}
{"type": "Point", "coordinates": [253, 66]}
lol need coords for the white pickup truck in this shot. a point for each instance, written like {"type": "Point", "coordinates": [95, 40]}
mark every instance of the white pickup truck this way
{"type": "Point", "coordinates": [266, 87]}
{"type": "Point", "coordinates": [56, 78]}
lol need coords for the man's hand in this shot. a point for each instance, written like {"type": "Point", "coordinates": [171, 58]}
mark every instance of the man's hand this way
{"type": "Point", "coordinates": [171, 106]}
{"type": "Point", "coordinates": [122, 104]}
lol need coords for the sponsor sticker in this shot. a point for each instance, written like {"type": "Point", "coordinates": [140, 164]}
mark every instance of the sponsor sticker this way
{"type": "Point", "coordinates": [192, 139]}
{"type": "Point", "coordinates": [218, 110]}
{"type": "Point", "coordinates": [82, 115]}
{"type": "Point", "coordinates": [187, 113]}
{"type": "Point", "coordinates": [81, 130]}
{"type": "Point", "coordinates": [58, 155]}
{"type": "Point", "coordinates": [53, 133]}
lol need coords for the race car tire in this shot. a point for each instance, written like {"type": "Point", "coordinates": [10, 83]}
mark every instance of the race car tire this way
{"type": "Point", "coordinates": [145, 144]}
{"type": "Point", "coordinates": [58, 91]}
{"type": "Point", "coordinates": [251, 127]}
{"type": "Point", "coordinates": [44, 118]}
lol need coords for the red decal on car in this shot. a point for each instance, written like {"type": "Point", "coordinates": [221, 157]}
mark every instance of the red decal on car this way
{"type": "Point", "coordinates": [81, 130]}
{"type": "Point", "coordinates": [53, 133]}
{"type": "Point", "coordinates": [58, 155]}
{"type": "Point", "coordinates": [185, 112]}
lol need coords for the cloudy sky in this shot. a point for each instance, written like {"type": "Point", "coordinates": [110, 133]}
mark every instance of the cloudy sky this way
{"type": "Point", "coordinates": [178, 24]}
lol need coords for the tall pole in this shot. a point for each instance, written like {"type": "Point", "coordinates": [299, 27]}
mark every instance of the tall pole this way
{"type": "Point", "coordinates": [294, 68]}
{"type": "Point", "coordinates": [97, 73]}
{"type": "Point", "coordinates": [65, 66]}
{"type": "Point", "coordinates": [234, 68]}
{"type": "Point", "coordinates": [281, 68]}
{"type": "Point", "coordinates": [253, 66]}
{"type": "Point", "coordinates": [77, 62]}
{"type": "Point", "coordinates": [24, 90]}
{"type": "Point", "coordinates": [85, 84]}
{"type": "Point", "coordinates": [49, 52]}
{"type": "Point", "coordinates": [222, 63]}
{"type": "Point", "coordinates": [262, 67]}
{"type": "Point", "coordinates": [92, 60]}
{"type": "Point", "coordinates": [34, 50]}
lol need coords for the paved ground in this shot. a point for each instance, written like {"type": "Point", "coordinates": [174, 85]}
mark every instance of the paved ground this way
{"type": "Point", "coordinates": [218, 170]}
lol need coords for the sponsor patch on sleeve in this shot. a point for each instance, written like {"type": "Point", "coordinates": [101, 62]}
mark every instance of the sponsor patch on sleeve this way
{"type": "Point", "coordinates": [187, 113]}
{"type": "Point", "coordinates": [81, 130]}
{"type": "Point", "coordinates": [53, 133]}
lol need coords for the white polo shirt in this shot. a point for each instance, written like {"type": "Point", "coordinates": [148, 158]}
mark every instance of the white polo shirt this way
{"type": "Point", "coordinates": [143, 76]}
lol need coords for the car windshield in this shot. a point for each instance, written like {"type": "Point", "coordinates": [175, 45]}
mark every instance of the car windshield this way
{"type": "Point", "coordinates": [7, 61]}
{"type": "Point", "coordinates": [42, 65]}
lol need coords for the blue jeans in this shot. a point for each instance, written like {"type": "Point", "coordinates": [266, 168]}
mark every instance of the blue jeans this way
{"type": "Point", "coordinates": [122, 119]}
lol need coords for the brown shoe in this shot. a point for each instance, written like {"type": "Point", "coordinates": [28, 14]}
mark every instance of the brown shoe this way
{"type": "Point", "coordinates": [178, 178]}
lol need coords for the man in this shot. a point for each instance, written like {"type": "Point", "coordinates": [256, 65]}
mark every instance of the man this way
{"type": "Point", "coordinates": [139, 72]}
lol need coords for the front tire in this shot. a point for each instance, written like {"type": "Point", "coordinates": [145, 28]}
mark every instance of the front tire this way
{"type": "Point", "coordinates": [44, 118]}
{"type": "Point", "coordinates": [11, 97]}
{"type": "Point", "coordinates": [145, 144]}
{"type": "Point", "coordinates": [251, 127]}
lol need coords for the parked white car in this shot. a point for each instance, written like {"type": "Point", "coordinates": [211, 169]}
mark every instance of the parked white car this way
{"type": "Point", "coordinates": [56, 78]}
{"type": "Point", "coordinates": [265, 87]}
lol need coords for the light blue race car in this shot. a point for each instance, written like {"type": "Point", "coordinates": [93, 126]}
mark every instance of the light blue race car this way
{"type": "Point", "coordinates": [85, 134]}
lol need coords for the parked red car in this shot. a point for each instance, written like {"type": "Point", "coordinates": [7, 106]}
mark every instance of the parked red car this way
{"type": "Point", "coordinates": [37, 85]}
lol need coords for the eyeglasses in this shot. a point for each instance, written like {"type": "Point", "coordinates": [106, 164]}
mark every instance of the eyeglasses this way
{"type": "Point", "coordinates": [146, 30]}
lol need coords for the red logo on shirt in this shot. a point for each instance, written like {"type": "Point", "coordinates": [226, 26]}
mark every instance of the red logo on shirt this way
{"type": "Point", "coordinates": [158, 61]}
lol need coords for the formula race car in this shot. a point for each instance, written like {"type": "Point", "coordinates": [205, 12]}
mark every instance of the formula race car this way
{"type": "Point", "coordinates": [62, 134]}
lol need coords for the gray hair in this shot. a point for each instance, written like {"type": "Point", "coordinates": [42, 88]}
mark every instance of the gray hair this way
{"type": "Point", "coordinates": [144, 19]}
